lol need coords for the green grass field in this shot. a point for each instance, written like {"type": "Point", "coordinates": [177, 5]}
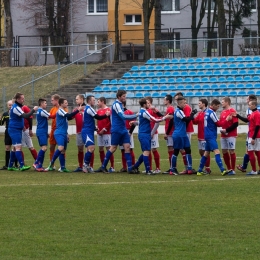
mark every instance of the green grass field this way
{"type": "Point", "coordinates": [119, 216]}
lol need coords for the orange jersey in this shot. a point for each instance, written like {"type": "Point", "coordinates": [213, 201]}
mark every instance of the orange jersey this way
{"type": "Point", "coordinates": [53, 112]}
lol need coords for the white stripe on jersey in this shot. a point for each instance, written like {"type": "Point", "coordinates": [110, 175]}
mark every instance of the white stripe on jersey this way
{"type": "Point", "coordinates": [180, 114]}
{"type": "Point", "coordinates": [117, 108]}
{"type": "Point", "coordinates": [61, 112]}
{"type": "Point", "coordinates": [91, 111]}
{"type": "Point", "coordinates": [44, 113]}
{"type": "Point", "coordinates": [214, 117]}
{"type": "Point", "coordinates": [18, 111]}
{"type": "Point", "coordinates": [147, 115]}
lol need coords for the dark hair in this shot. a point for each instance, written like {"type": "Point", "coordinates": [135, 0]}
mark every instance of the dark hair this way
{"type": "Point", "coordinates": [103, 99]}
{"type": "Point", "coordinates": [178, 94]}
{"type": "Point", "coordinates": [56, 97]}
{"type": "Point", "coordinates": [41, 100]}
{"type": "Point", "coordinates": [89, 98]}
{"type": "Point", "coordinates": [252, 97]}
{"type": "Point", "coordinates": [17, 95]}
{"type": "Point", "coordinates": [180, 98]}
{"type": "Point", "coordinates": [61, 100]}
{"type": "Point", "coordinates": [120, 93]}
{"type": "Point", "coordinates": [150, 99]}
{"type": "Point", "coordinates": [204, 101]}
{"type": "Point", "coordinates": [142, 101]}
{"type": "Point", "coordinates": [215, 102]}
{"type": "Point", "coordinates": [169, 98]}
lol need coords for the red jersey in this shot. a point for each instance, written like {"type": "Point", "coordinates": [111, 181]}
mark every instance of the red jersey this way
{"type": "Point", "coordinates": [226, 124]}
{"type": "Point", "coordinates": [254, 120]}
{"type": "Point", "coordinates": [152, 123]}
{"type": "Point", "coordinates": [169, 110]}
{"type": "Point", "coordinates": [199, 120]}
{"type": "Point", "coordinates": [187, 110]}
{"type": "Point", "coordinates": [26, 121]}
{"type": "Point", "coordinates": [104, 123]}
{"type": "Point", "coordinates": [79, 121]}
{"type": "Point", "coordinates": [128, 112]}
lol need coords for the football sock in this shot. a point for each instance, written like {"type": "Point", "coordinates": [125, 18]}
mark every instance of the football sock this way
{"type": "Point", "coordinates": [51, 154]}
{"type": "Point", "coordinates": [62, 160]}
{"type": "Point", "coordinates": [189, 161]}
{"type": "Point", "coordinates": [146, 163]}
{"type": "Point", "coordinates": [12, 159]}
{"type": "Point", "coordinates": [245, 161]}
{"type": "Point", "coordinates": [40, 158]}
{"type": "Point", "coordinates": [91, 164]}
{"type": "Point", "coordinates": [7, 158]}
{"type": "Point", "coordinates": [80, 159]}
{"type": "Point", "coordinates": [184, 158]}
{"type": "Point", "coordinates": [156, 157]}
{"type": "Point", "coordinates": [252, 160]}
{"type": "Point", "coordinates": [219, 162]}
{"type": "Point", "coordinates": [55, 156]}
{"type": "Point", "coordinates": [170, 153]}
{"type": "Point", "coordinates": [207, 164]}
{"type": "Point", "coordinates": [233, 158]}
{"type": "Point", "coordinates": [107, 158]}
{"type": "Point", "coordinates": [226, 158]}
{"type": "Point", "coordinates": [139, 161]}
{"type": "Point", "coordinates": [123, 158]}
{"type": "Point", "coordinates": [173, 161]}
{"type": "Point", "coordinates": [150, 161]}
{"type": "Point", "coordinates": [258, 157]}
{"type": "Point", "coordinates": [34, 153]}
{"type": "Point", "coordinates": [19, 157]}
{"type": "Point", "coordinates": [133, 156]}
{"type": "Point", "coordinates": [128, 161]}
{"type": "Point", "coordinates": [87, 157]}
{"type": "Point", "coordinates": [203, 161]}
{"type": "Point", "coordinates": [112, 161]}
{"type": "Point", "coordinates": [102, 155]}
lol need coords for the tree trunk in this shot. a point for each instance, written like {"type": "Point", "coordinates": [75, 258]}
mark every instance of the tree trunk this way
{"type": "Point", "coordinates": [222, 27]}
{"type": "Point", "coordinates": [116, 55]}
{"type": "Point", "coordinates": [209, 43]}
{"type": "Point", "coordinates": [194, 44]}
{"type": "Point", "coordinates": [258, 23]}
{"type": "Point", "coordinates": [157, 26]}
{"type": "Point", "coordinates": [6, 55]}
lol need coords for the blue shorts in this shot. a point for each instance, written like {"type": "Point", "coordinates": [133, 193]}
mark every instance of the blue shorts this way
{"type": "Point", "coordinates": [88, 138]}
{"type": "Point", "coordinates": [120, 138]}
{"type": "Point", "coordinates": [16, 135]}
{"type": "Point", "coordinates": [145, 141]}
{"type": "Point", "coordinates": [180, 142]}
{"type": "Point", "coordinates": [61, 140]}
{"type": "Point", "coordinates": [42, 139]}
{"type": "Point", "coordinates": [211, 145]}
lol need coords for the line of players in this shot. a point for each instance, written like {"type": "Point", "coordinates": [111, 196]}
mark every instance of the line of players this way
{"type": "Point", "coordinates": [119, 121]}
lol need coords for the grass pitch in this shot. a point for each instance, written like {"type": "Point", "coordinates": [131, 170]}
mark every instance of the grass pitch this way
{"type": "Point", "coordinates": [120, 216]}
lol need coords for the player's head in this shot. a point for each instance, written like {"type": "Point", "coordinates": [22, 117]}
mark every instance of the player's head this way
{"type": "Point", "coordinates": [181, 101]}
{"type": "Point", "coordinates": [9, 104]}
{"type": "Point", "coordinates": [252, 104]}
{"type": "Point", "coordinates": [63, 102]}
{"type": "Point", "coordinates": [150, 99]}
{"type": "Point", "coordinates": [121, 95]}
{"type": "Point", "coordinates": [177, 95]}
{"type": "Point", "coordinates": [203, 103]}
{"type": "Point", "coordinates": [91, 100]}
{"type": "Point", "coordinates": [167, 100]}
{"type": "Point", "coordinates": [215, 104]}
{"type": "Point", "coordinates": [101, 102]}
{"type": "Point", "coordinates": [55, 99]}
{"type": "Point", "coordinates": [42, 103]}
{"type": "Point", "coordinates": [80, 99]}
{"type": "Point", "coordinates": [143, 103]}
{"type": "Point", "coordinates": [251, 97]}
{"type": "Point", "coordinates": [225, 102]}
{"type": "Point", "coordinates": [19, 98]}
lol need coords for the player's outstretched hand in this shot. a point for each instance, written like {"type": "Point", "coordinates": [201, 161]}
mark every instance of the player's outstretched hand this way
{"type": "Point", "coordinates": [194, 111]}
{"type": "Point", "coordinates": [223, 131]}
{"type": "Point", "coordinates": [35, 108]}
{"type": "Point", "coordinates": [168, 116]}
{"type": "Point", "coordinates": [131, 123]}
{"type": "Point", "coordinates": [80, 108]}
{"type": "Point", "coordinates": [165, 137]}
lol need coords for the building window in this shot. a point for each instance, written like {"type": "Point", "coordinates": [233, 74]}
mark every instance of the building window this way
{"type": "Point", "coordinates": [96, 42]}
{"type": "Point", "coordinates": [133, 19]}
{"type": "Point", "coordinates": [46, 44]}
{"type": "Point", "coordinates": [214, 42]}
{"type": "Point", "coordinates": [250, 38]}
{"type": "Point", "coordinates": [97, 6]}
{"type": "Point", "coordinates": [253, 5]}
{"type": "Point", "coordinates": [177, 42]}
{"type": "Point", "coordinates": [170, 5]}
{"type": "Point", "coordinates": [212, 6]}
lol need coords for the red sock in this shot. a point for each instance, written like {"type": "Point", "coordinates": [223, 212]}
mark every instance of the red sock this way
{"type": "Point", "coordinates": [112, 161]}
{"type": "Point", "coordinates": [252, 160]}
{"type": "Point", "coordinates": [102, 156]}
{"type": "Point", "coordinates": [184, 158]}
{"type": "Point", "coordinates": [156, 157]}
{"type": "Point", "coordinates": [150, 161]}
{"type": "Point", "coordinates": [170, 153]}
{"type": "Point", "coordinates": [51, 154]}
{"type": "Point", "coordinates": [226, 158]}
{"type": "Point", "coordinates": [123, 159]}
{"type": "Point", "coordinates": [233, 158]}
{"type": "Point", "coordinates": [34, 153]}
{"type": "Point", "coordinates": [258, 158]}
{"type": "Point", "coordinates": [92, 160]}
{"type": "Point", "coordinates": [207, 164]}
{"type": "Point", "coordinates": [80, 159]}
{"type": "Point", "coordinates": [132, 156]}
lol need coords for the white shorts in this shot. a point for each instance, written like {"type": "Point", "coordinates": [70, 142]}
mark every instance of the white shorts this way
{"type": "Point", "coordinates": [79, 140]}
{"type": "Point", "coordinates": [26, 139]}
{"type": "Point", "coordinates": [155, 141]}
{"type": "Point", "coordinates": [169, 140]}
{"type": "Point", "coordinates": [189, 136]}
{"type": "Point", "coordinates": [228, 143]}
{"type": "Point", "coordinates": [202, 145]}
{"type": "Point", "coordinates": [104, 140]}
{"type": "Point", "coordinates": [132, 144]}
{"type": "Point", "coordinates": [255, 147]}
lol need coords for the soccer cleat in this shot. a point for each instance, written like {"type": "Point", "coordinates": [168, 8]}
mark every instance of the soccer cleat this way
{"type": "Point", "coordinates": [200, 173]}
{"type": "Point", "coordinates": [25, 168]}
{"type": "Point", "coordinates": [207, 170]}
{"type": "Point", "coordinates": [12, 168]}
{"type": "Point", "coordinates": [251, 173]}
{"type": "Point", "coordinates": [174, 172]}
{"type": "Point", "coordinates": [184, 172]}
{"type": "Point", "coordinates": [258, 172]}
{"type": "Point", "coordinates": [64, 170]}
{"type": "Point", "coordinates": [232, 173]}
{"type": "Point", "coordinates": [157, 171]}
{"type": "Point", "coordinates": [192, 171]}
{"type": "Point", "coordinates": [50, 168]}
{"type": "Point", "coordinates": [41, 170]}
{"type": "Point", "coordinates": [111, 169]}
{"type": "Point", "coordinates": [135, 169]}
{"type": "Point", "coordinates": [35, 165]}
{"type": "Point", "coordinates": [240, 168]}
{"type": "Point", "coordinates": [166, 172]}
{"type": "Point", "coordinates": [85, 168]}
{"type": "Point", "coordinates": [4, 168]}
{"type": "Point", "coordinates": [90, 170]}
{"type": "Point", "coordinates": [79, 169]}
{"type": "Point", "coordinates": [150, 173]}
{"type": "Point", "coordinates": [123, 170]}
{"type": "Point", "coordinates": [225, 172]}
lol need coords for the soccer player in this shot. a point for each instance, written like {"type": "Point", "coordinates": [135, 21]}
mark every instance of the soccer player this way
{"type": "Point", "coordinates": [42, 117]}
{"type": "Point", "coordinates": [228, 134]}
{"type": "Point", "coordinates": [144, 135]}
{"type": "Point", "coordinates": [180, 137]}
{"type": "Point", "coordinates": [253, 141]}
{"type": "Point", "coordinates": [15, 129]}
{"type": "Point", "coordinates": [210, 131]}
{"type": "Point", "coordinates": [104, 132]}
{"type": "Point", "coordinates": [7, 140]}
{"type": "Point", "coordinates": [88, 130]}
{"type": "Point", "coordinates": [199, 120]}
{"type": "Point", "coordinates": [119, 133]}
{"type": "Point", "coordinates": [169, 127]}
{"type": "Point", "coordinates": [60, 134]}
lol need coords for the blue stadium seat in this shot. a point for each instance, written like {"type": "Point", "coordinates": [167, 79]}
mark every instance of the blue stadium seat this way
{"type": "Point", "coordinates": [207, 67]}
{"type": "Point", "coordinates": [224, 66]}
{"type": "Point", "coordinates": [159, 74]}
{"type": "Point", "coordinates": [221, 79]}
{"type": "Point", "coordinates": [155, 88]}
{"type": "Point", "coordinates": [257, 85]}
{"type": "Point", "coordinates": [130, 88]}
{"type": "Point", "coordinates": [167, 61]}
{"type": "Point", "coordinates": [122, 87]}
{"type": "Point", "coordinates": [97, 89]}
{"type": "Point", "coordinates": [171, 87]}
{"type": "Point", "coordinates": [239, 59]}
{"type": "Point", "coordinates": [206, 94]}
{"type": "Point", "coordinates": [208, 73]}
{"type": "Point", "coordinates": [241, 93]}
{"type": "Point", "coordinates": [199, 67]}
{"type": "Point", "coordinates": [151, 74]}
{"type": "Point", "coordinates": [205, 79]}
{"type": "Point", "coordinates": [196, 80]}
{"type": "Point", "coordinates": [146, 81]}
{"type": "Point", "coordinates": [213, 86]}
{"type": "Point", "coordinates": [234, 72]}
{"type": "Point", "coordinates": [230, 86]}
{"type": "Point", "coordinates": [241, 66]}
{"type": "Point", "coordinates": [142, 75]}
{"type": "Point", "coordinates": [257, 65]}
{"type": "Point", "coordinates": [242, 72]}
{"type": "Point", "coordinates": [183, 67]}
{"type": "Point", "coordinates": [144, 68]}
{"type": "Point", "coordinates": [122, 81]}
{"type": "Point", "coordinates": [191, 67]}
{"type": "Point", "coordinates": [249, 66]}
{"type": "Point", "coordinates": [150, 68]}
{"type": "Point", "coordinates": [225, 73]}
{"type": "Point", "coordinates": [162, 80]}
{"type": "Point", "coordinates": [215, 59]}
{"type": "Point", "coordinates": [180, 87]}
{"type": "Point", "coordinates": [247, 78]}
{"type": "Point", "coordinates": [213, 79]}
{"type": "Point", "coordinates": [222, 59]}
{"type": "Point", "coordinates": [240, 85]}
{"type": "Point", "coordinates": [173, 94]}
{"type": "Point", "coordinates": [215, 66]}
{"type": "Point", "coordinates": [138, 81]}
{"type": "Point", "coordinates": [232, 93]}
{"type": "Point", "coordinates": [222, 86]}
{"type": "Point", "coordinates": [163, 94]}
{"type": "Point", "coordinates": [190, 60]}
{"type": "Point", "coordinates": [197, 94]}
{"type": "Point", "coordinates": [179, 80]}
{"type": "Point", "coordinates": [216, 73]}
{"type": "Point", "coordinates": [247, 58]}
{"type": "Point", "coordinates": [170, 80]}
{"type": "Point", "coordinates": [163, 87]}
{"type": "Point", "coordinates": [150, 62]}
{"type": "Point", "coordinates": [249, 85]}
{"type": "Point", "coordinates": [230, 79]}
{"type": "Point", "coordinates": [224, 93]}
{"type": "Point", "coordinates": [159, 68]}
{"type": "Point", "coordinates": [215, 94]}
{"type": "Point", "coordinates": [158, 61]}
{"type": "Point", "coordinates": [147, 88]}
{"type": "Point", "coordinates": [257, 72]}
{"type": "Point", "coordinates": [114, 88]}
{"type": "Point", "coordinates": [127, 75]}
{"type": "Point", "coordinates": [135, 68]}
{"type": "Point", "coordinates": [192, 74]}
{"type": "Point", "coordinates": [256, 58]}
{"type": "Point", "coordinates": [167, 74]}
{"type": "Point", "coordinates": [135, 75]}
{"type": "Point", "coordinates": [128, 81]}
{"type": "Point", "coordinates": [139, 95]}
{"type": "Point", "coordinates": [167, 67]}
{"type": "Point", "coordinates": [106, 88]}
{"type": "Point", "coordinates": [154, 81]}
{"type": "Point", "coordinates": [232, 65]}
{"type": "Point", "coordinates": [257, 93]}
{"type": "Point", "coordinates": [130, 95]}
{"type": "Point", "coordinates": [174, 67]}
{"type": "Point", "coordinates": [147, 94]}
{"type": "Point", "coordinates": [250, 72]}
{"type": "Point", "coordinates": [199, 60]}
{"type": "Point", "coordinates": [189, 94]}
{"type": "Point", "coordinates": [138, 88]}
{"type": "Point", "coordinates": [231, 59]}
{"type": "Point", "coordinates": [188, 87]}
{"type": "Point", "coordinates": [155, 95]}
{"type": "Point", "coordinates": [200, 73]}
{"type": "Point", "coordinates": [174, 61]}
{"type": "Point", "coordinates": [251, 92]}
{"type": "Point", "coordinates": [176, 74]}
{"type": "Point", "coordinates": [187, 80]}
{"type": "Point", "coordinates": [197, 87]}
{"type": "Point", "coordinates": [105, 81]}
{"type": "Point", "coordinates": [256, 78]}
{"type": "Point", "coordinates": [182, 60]}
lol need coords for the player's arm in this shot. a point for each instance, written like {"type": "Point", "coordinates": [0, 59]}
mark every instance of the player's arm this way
{"type": "Point", "coordinates": [170, 126]}
{"type": "Point", "coordinates": [244, 119]}
{"type": "Point", "coordinates": [189, 118]}
{"type": "Point", "coordinates": [69, 116]}
{"type": "Point", "coordinates": [132, 128]}
{"type": "Point", "coordinates": [257, 128]}
{"type": "Point", "coordinates": [148, 116]}
{"type": "Point", "coordinates": [25, 115]}
{"type": "Point", "coordinates": [121, 114]}
{"type": "Point", "coordinates": [3, 119]}
{"type": "Point", "coordinates": [196, 120]}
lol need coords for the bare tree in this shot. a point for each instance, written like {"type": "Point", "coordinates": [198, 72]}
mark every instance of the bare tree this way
{"type": "Point", "coordinates": [222, 27]}
{"type": "Point", "coordinates": [157, 27]}
{"type": "Point", "coordinates": [116, 55]}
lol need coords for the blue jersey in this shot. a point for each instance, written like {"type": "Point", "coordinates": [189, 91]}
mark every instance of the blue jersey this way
{"type": "Point", "coordinates": [179, 124]}
{"type": "Point", "coordinates": [89, 121]}
{"type": "Point", "coordinates": [117, 123]}
{"type": "Point", "coordinates": [144, 122]}
{"type": "Point", "coordinates": [15, 120]}
{"type": "Point", "coordinates": [42, 122]}
{"type": "Point", "coordinates": [61, 122]}
{"type": "Point", "coordinates": [210, 127]}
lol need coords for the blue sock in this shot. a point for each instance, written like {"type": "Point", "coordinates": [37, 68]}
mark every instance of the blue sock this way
{"type": "Point", "coordinates": [219, 162]}
{"type": "Point", "coordinates": [174, 162]}
{"type": "Point", "coordinates": [55, 156]}
{"type": "Point", "coordinates": [107, 158]}
{"type": "Point", "coordinates": [245, 161]}
{"type": "Point", "coordinates": [62, 160]}
{"type": "Point", "coordinates": [146, 163]}
{"type": "Point", "coordinates": [87, 157]}
{"type": "Point", "coordinates": [189, 161]}
{"type": "Point", "coordinates": [40, 158]}
{"type": "Point", "coordinates": [12, 159]}
{"type": "Point", "coordinates": [19, 157]}
{"type": "Point", "coordinates": [202, 163]}
{"type": "Point", "coordinates": [128, 159]}
{"type": "Point", "coordinates": [140, 160]}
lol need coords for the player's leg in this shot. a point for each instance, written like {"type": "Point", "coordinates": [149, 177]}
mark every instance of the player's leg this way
{"type": "Point", "coordinates": [156, 155]}
{"type": "Point", "coordinates": [257, 152]}
{"type": "Point", "coordinates": [252, 149]}
{"type": "Point", "coordinates": [169, 142]}
{"type": "Point", "coordinates": [124, 168]}
{"type": "Point", "coordinates": [38, 164]}
{"type": "Point", "coordinates": [8, 144]}
{"type": "Point", "coordinates": [202, 145]}
{"type": "Point", "coordinates": [203, 160]}
{"type": "Point", "coordinates": [100, 143]}
{"type": "Point", "coordinates": [89, 141]}
{"type": "Point", "coordinates": [52, 143]}
{"type": "Point", "coordinates": [132, 146]}
{"type": "Point", "coordinates": [218, 159]}
{"type": "Point", "coordinates": [107, 145]}
{"type": "Point", "coordinates": [80, 146]}
{"type": "Point", "coordinates": [242, 167]}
